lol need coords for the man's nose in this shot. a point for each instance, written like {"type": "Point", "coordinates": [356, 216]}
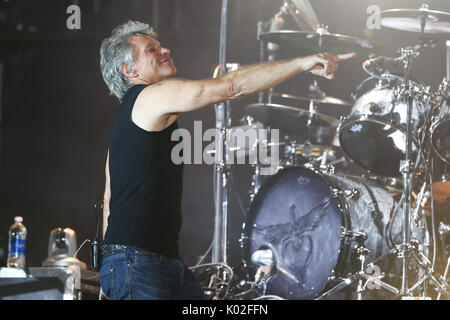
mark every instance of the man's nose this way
{"type": "Point", "coordinates": [165, 51]}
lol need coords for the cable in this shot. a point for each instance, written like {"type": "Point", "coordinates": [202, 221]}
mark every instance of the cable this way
{"type": "Point", "coordinates": [75, 256]}
{"type": "Point", "coordinates": [244, 293]}
{"type": "Point", "coordinates": [224, 282]}
{"type": "Point", "coordinates": [215, 264]}
{"type": "Point", "coordinates": [393, 219]}
{"type": "Point", "coordinates": [433, 223]}
{"type": "Point", "coordinates": [237, 196]}
{"type": "Point", "coordinates": [420, 156]}
{"type": "Point", "coordinates": [97, 216]}
{"type": "Point", "coordinates": [204, 255]}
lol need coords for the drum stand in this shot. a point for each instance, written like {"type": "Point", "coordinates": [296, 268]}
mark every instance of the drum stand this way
{"type": "Point", "coordinates": [409, 250]}
{"type": "Point", "coordinates": [360, 252]}
{"type": "Point", "coordinates": [364, 280]}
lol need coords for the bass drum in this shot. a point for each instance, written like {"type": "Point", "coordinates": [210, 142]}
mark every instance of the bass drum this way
{"type": "Point", "coordinates": [301, 214]}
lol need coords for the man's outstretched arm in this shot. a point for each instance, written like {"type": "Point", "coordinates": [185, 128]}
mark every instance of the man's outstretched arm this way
{"type": "Point", "coordinates": [178, 95]}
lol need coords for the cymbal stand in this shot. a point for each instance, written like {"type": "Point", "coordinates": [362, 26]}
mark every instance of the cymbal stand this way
{"type": "Point", "coordinates": [276, 23]}
{"type": "Point", "coordinates": [409, 249]}
{"type": "Point", "coordinates": [314, 89]}
{"type": "Point", "coordinates": [407, 56]}
{"type": "Point", "coordinates": [436, 279]}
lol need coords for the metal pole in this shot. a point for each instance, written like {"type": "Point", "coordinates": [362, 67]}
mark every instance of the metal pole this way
{"type": "Point", "coordinates": [1, 104]}
{"type": "Point", "coordinates": [219, 251]}
{"type": "Point", "coordinates": [448, 59]}
{"type": "Point", "coordinates": [405, 168]}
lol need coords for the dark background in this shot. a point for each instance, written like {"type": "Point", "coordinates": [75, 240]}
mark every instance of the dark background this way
{"type": "Point", "coordinates": [56, 111]}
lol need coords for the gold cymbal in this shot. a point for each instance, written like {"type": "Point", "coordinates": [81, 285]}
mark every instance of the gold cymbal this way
{"type": "Point", "coordinates": [313, 42]}
{"type": "Point", "coordinates": [421, 20]}
{"type": "Point", "coordinates": [316, 100]}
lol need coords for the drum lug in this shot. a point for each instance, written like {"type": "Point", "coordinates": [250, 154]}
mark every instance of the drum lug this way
{"type": "Point", "coordinates": [352, 194]}
{"type": "Point", "coordinates": [358, 235]}
{"type": "Point", "coordinates": [333, 275]}
{"type": "Point", "coordinates": [329, 169]}
{"type": "Point", "coordinates": [247, 120]}
{"type": "Point", "coordinates": [361, 251]}
{"type": "Point", "coordinates": [349, 194]}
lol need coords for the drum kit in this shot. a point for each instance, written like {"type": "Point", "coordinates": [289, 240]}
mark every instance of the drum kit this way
{"type": "Point", "coordinates": [314, 231]}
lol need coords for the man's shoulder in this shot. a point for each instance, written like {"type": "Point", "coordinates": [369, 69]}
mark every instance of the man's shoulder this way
{"type": "Point", "coordinates": [155, 94]}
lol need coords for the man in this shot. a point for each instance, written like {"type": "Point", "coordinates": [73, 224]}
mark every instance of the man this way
{"type": "Point", "coordinates": [142, 215]}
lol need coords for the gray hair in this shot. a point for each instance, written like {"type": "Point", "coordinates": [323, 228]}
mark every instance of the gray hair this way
{"type": "Point", "coordinates": [117, 50]}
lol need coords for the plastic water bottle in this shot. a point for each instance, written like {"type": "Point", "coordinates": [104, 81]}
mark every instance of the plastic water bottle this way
{"type": "Point", "coordinates": [16, 248]}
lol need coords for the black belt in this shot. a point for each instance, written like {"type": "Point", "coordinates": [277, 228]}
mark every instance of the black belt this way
{"type": "Point", "coordinates": [111, 248]}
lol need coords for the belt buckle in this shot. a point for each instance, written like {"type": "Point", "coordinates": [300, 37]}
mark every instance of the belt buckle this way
{"type": "Point", "coordinates": [103, 249]}
{"type": "Point", "coordinates": [110, 248]}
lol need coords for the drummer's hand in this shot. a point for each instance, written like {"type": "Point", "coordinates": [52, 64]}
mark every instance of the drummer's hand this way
{"type": "Point", "coordinates": [325, 64]}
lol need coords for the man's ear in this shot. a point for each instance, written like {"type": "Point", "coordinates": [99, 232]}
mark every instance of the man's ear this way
{"type": "Point", "coordinates": [127, 71]}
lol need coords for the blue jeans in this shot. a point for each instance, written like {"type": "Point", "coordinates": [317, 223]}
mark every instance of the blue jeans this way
{"type": "Point", "coordinates": [133, 273]}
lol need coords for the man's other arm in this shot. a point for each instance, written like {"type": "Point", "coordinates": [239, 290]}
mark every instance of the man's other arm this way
{"type": "Point", "coordinates": [106, 197]}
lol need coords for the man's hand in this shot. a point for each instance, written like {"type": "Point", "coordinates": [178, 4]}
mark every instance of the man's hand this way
{"type": "Point", "coordinates": [325, 64]}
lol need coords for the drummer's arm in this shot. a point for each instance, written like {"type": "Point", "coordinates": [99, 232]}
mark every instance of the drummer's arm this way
{"type": "Point", "coordinates": [179, 95]}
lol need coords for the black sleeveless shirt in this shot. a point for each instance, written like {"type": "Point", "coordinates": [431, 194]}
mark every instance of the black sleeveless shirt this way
{"type": "Point", "coordinates": [146, 186]}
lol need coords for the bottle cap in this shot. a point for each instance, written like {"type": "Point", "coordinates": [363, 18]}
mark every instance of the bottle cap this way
{"type": "Point", "coordinates": [18, 219]}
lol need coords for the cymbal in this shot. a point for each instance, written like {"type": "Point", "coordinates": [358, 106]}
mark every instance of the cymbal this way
{"type": "Point", "coordinates": [289, 120]}
{"type": "Point", "coordinates": [313, 42]}
{"type": "Point", "coordinates": [416, 20]}
{"type": "Point", "coordinates": [317, 100]}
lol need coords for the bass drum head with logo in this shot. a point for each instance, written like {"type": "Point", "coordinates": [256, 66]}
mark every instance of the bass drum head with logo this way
{"type": "Point", "coordinates": [300, 214]}
{"type": "Point", "coordinates": [296, 214]}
